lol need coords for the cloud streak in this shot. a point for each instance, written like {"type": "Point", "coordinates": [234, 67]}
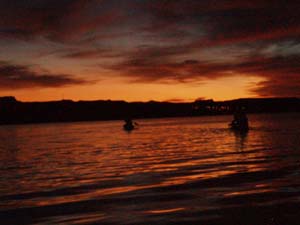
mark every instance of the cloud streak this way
{"type": "Point", "coordinates": [19, 77]}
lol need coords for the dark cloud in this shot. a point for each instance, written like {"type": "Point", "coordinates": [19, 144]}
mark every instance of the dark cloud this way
{"type": "Point", "coordinates": [63, 21]}
{"type": "Point", "coordinates": [225, 21]}
{"type": "Point", "coordinates": [178, 100]}
{"type": "Point", "coordinates": [209, 24]}
{"type": "Point", "coordinates": [17, 77]}
{"type": "Point", "coordinates": [89, 54]}
{"type": "Point", "coordinates": [85, 54]}
{"type": "Point", "coordinates": [204, 22]}
{"type": "Point", "coordinates": [211, 21]}
{"type": "Point", "coordinates": [281, 73]}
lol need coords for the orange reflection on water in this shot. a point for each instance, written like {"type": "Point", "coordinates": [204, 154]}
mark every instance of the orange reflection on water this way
{"type": "Point", "coordinates": [161, 211]}
{"type": "Point", "coordinates": [86, 163]}
{"type": "Point", "coordinates": [249, 192]}
{"type": "Point", "coordinates": [85, 218]}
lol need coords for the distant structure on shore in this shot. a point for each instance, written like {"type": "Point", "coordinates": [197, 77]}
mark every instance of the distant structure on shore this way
{"type": "Point", "coordinates": [13, 111]}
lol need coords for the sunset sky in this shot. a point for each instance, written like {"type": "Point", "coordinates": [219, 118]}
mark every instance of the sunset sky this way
{"type": "Point", "coordinates": [140, 50]}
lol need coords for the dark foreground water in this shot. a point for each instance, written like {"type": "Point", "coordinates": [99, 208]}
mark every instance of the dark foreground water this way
{"type": "Point", "coordinates": [169, 171]}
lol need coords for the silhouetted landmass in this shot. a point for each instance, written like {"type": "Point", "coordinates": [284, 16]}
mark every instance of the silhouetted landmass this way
{"type": "Point", "coordinates": [13, 111]}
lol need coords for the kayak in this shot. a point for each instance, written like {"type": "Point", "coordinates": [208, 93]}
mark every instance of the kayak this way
{"type": "Point", "coordinates": [128, 127]}
{"type": "Point", "coordinates": [240, 128]}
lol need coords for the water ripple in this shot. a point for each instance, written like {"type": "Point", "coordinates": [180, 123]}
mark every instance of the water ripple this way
{"type": "Point", "coordinates": [170, 171]}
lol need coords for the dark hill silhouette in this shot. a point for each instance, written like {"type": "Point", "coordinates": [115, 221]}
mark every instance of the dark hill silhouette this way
{"type": "Point", "coordinates": [16, 112]}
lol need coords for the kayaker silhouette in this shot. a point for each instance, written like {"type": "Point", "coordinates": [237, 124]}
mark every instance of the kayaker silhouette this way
{"type": "Point", "coordinates": [129, 125]}
{"type": "Point", "coordinates": [240, 121]}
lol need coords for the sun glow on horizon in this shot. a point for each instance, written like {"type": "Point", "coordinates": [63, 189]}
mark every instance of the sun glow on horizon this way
{"type": "Point", "coordinates": [225, 88]}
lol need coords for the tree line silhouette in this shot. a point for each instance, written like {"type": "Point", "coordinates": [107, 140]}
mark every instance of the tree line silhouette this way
{"type": "Point", "coordinates": [13, 111]}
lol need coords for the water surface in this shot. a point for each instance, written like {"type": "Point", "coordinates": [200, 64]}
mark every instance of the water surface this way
{"type": "Point", "coordinates": [168, 171]}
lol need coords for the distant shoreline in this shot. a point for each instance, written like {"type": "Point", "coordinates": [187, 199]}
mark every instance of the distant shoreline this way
{"type": "Point", "coordinates": [13, 111]}
{"type": "Point", "coordinates": [121, 120]}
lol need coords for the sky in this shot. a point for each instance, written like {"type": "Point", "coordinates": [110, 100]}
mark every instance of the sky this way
{"type": "Point", "coordinates": [141, 50]}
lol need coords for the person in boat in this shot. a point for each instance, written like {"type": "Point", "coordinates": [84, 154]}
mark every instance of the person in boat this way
{"type": "Point", "coordinates": [128, 124]}
{"type": "Point", "coordinates": [240, 121]}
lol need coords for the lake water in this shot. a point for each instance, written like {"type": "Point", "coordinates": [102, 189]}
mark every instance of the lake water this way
{"type": "Point", "coordinates": [168, 171]}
